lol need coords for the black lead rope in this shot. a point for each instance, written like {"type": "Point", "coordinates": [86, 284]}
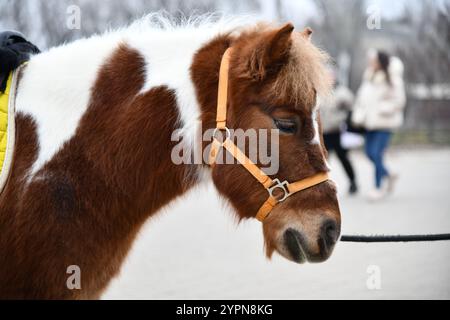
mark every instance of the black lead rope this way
{"type": "Point", "coordinates": [399, 238]}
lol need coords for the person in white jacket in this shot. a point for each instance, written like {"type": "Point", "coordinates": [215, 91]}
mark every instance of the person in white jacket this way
{"type": "Point", "coordinates": [379, 107]}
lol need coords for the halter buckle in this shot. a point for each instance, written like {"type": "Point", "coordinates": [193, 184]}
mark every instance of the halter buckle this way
{"type": "Point", "coordinates": [227, 133]}
{"type": "Point", "coordinates": [282, 186]}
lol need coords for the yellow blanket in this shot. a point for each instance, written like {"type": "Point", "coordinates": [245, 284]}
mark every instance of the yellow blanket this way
{"type": "Point", "coordinates": [4, 106]}
{"type": "Point", "coordinates": [8, 126]}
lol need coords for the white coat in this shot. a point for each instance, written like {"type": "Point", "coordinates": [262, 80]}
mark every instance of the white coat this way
{"type": "Point", "coordinates": [379, 105]}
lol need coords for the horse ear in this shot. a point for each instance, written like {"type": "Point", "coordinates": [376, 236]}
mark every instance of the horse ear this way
{"type": "Point", "coordinates": [307, 33]}
{"type": "Point", "coordinates": [273, 50]}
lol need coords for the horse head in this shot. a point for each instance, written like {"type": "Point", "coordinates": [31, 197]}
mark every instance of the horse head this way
{"type": "Point", "coordinates": [276, 78]}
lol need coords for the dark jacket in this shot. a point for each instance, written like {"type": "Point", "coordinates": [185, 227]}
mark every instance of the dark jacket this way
{"type": "Point", "coordinates": [14, 50]}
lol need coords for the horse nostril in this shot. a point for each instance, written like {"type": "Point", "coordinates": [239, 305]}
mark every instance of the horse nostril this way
{"type": "Point", "coordinates": [292, 240]}
{"type": "Point", "coordinates": [329, 235]}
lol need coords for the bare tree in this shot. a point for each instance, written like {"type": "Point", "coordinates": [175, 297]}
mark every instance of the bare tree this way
{"type": "Point", "coordinates": [340, 27]}
{"type": "Point", "coordinates": [426, 48]}
{"type": "Point", "coordinates": [421, 36]}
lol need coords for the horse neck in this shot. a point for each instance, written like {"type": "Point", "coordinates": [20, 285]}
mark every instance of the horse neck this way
{"type": "Point", "coordinates": [142, 116]}
{"type": "Point", "coordinates": [124, 96]}
{"type": "Point", "coordinates": [142, 91]}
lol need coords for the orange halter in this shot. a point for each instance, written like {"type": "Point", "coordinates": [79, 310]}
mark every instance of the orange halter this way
{"type": "Point", "coordinates": [270, 185]}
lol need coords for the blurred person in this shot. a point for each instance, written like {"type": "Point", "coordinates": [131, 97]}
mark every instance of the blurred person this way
{"type": "Point", "coordinates": [379, 110]}
{"type": "Point", "coordinates": [333, 115]}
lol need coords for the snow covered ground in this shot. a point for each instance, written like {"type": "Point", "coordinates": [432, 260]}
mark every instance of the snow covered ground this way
{"type": "Point", "coordinates": [195, 250]}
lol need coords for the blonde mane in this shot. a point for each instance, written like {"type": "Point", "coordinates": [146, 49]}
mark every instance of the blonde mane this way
{"type": "Point", "coordinates": [305, 72]}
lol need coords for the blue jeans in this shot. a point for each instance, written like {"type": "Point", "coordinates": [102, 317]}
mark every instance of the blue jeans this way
{"type": "Point", "coordinates": [376, 145]}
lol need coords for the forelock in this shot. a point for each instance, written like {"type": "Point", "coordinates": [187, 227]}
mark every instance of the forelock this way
{"type": "Point", "coordinates": [304, 73]}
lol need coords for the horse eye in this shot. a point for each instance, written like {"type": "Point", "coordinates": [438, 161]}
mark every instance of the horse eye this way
{"type": "Point", "coordinates": [286, 126]}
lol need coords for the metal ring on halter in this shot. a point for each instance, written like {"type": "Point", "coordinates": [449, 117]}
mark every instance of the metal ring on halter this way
{"type": "Point", "coordinates": [227, 133]}
{"type": "Point", "coordinates": [282, 186]}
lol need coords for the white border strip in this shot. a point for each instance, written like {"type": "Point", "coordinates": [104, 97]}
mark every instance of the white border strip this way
{"type": "Point", "coordinates": [11, 130]}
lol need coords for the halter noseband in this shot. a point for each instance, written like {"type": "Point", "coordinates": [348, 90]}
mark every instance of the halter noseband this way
{"type": "Point", "coordinates": [270, 185]}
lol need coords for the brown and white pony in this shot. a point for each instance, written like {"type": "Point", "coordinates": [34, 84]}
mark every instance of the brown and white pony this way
{"type": "Point", "coordinates": [93, 162]}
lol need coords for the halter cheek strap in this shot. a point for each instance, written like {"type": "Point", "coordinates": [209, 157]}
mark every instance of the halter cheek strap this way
{"type": "Point", "coordinates": [283, 189]}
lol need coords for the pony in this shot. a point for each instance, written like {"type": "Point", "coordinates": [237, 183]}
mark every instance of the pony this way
{"type": "Point", "coordinates": [92, 160]}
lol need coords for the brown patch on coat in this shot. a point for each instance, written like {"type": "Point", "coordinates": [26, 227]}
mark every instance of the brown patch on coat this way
{"type": "Point", "coordinates": [85, 206]}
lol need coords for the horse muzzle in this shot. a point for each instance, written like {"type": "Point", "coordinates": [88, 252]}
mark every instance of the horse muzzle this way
{"type": "Point", "coordinates": [301, 247]}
